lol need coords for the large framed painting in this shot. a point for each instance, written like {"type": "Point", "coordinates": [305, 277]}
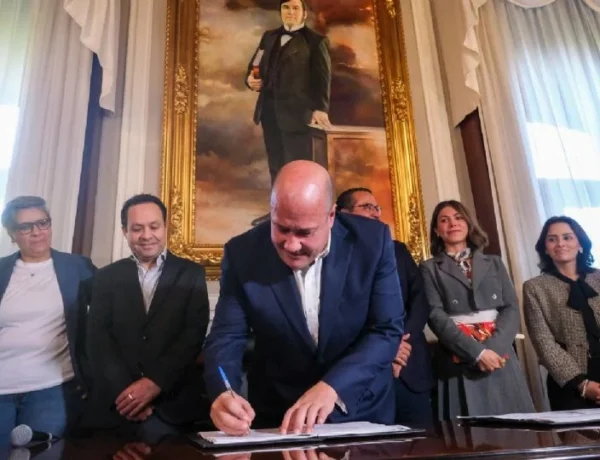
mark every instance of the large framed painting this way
{"type": "Point", "coordinates": [215, 170]}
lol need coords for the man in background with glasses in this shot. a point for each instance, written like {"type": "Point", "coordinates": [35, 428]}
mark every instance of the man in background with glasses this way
{"type": "Point", "coordinates": [412, 364]}
{"type": "Point", "coordinates": [42, 292]}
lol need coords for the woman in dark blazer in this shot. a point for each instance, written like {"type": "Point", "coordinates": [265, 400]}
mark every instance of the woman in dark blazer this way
{"type": "Point", "coordinates": [475, 315]}
{"type": "Point", "coordinates": [562, 311]}
{"type": "Point", "coordinates": [43, 293]}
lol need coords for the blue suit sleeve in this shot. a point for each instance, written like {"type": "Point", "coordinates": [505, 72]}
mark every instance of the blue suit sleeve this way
{"type": "Point", "coordinates": [373, 353]}
{"type": "Point", "coordinates": [227, 339]}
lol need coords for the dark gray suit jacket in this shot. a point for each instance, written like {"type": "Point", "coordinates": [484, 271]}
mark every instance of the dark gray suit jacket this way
{"type": "Point", "coordinates": [301, 79]}
{"type": "Point", "coordinates": [449, 293]}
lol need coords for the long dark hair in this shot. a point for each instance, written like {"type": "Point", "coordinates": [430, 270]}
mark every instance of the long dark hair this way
{"type": "Point", "coordinates": [476, 237]}
{"type": "Point", "coordinates": [585, 259]}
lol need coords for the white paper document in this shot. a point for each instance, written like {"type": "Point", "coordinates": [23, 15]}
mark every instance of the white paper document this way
{"type": "Point", "coordinates": [565, 417]}
{"type": "Point", "coordinates": [320, 432]}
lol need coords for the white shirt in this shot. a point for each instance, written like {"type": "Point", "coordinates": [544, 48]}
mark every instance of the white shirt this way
{"type": "Point", "coordinates": [286, 38]}
{"type": "Point", "coordinates": [309, 285]}
{"type": "Point", "coordinates": [149, 277]}
{"type": "Point", "coordinates": [34, 348]}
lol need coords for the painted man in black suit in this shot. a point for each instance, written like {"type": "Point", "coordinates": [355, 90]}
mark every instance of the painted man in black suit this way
{"type": "Point", "coordinates": [412, 365]}
{"type": "Point", "coordinates": [147, 322]}
{"type": "Point", "coordinates": [294, 80]}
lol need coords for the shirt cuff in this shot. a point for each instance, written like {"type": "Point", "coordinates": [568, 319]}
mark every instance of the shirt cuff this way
{"type": "Point", "coordinates": [342, 406]}
{"type": "Point", "coordinates": [480, 355]}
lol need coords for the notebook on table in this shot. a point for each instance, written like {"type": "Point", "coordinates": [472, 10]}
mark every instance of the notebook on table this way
{"type": "Point", "coordinates": [218, 439]}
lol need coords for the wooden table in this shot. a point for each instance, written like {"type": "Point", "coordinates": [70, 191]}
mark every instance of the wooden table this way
{"type": "Point", "coordinates": [449, 440]}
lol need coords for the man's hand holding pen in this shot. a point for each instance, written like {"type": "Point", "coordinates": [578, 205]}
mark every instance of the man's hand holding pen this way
{"type": "Point", "coordinates": [232, 414]}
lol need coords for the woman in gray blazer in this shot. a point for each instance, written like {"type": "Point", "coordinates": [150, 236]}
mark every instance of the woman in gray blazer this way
{"type": "Point", "coordinates": [475, 315]}
{"type": "Point", "coordinates": [562, 311]}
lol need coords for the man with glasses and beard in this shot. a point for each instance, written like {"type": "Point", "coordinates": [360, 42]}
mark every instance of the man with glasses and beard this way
{"type": "Point", "coordinates": [41, 325]}
{"type": "Point", "coordinates": [321, 294]}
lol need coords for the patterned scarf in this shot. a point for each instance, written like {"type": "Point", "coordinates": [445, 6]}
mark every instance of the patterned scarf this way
{"type": "Point", "coordinates": [463, 259]}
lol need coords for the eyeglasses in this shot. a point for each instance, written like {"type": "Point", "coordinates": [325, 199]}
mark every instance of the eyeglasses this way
{"type": "Point", "coordinates": [369, 207]}
{"type": "Point", "coordinates": [27, 227]}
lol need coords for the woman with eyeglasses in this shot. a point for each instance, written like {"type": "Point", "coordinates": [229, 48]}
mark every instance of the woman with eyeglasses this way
{"type": "Point", "coordinates": [475, 315]}
{"type": "Point", "coordinates": [43, 293]}
{"type": "Point", "coordinates": [562, 311]}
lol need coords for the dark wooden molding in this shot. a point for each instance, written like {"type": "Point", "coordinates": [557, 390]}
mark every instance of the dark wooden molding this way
{"type": "Point", "coordinates": [483, 199]}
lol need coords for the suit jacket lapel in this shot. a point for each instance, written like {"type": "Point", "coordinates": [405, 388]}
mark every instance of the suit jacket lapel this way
{"type": "Point", "coordinates": [286, 292]}
{"type": "Point", "coordinates": [268, 49]}
{"type": "Point", "coordinates": [292, 47]}
{"type": "Point", "coordinates": [131, 282]}
{"type": "Point", "coordinates": [68, 284]}
{"type": "Point", "coordinates": [333, 278]}
{"type": "Point", "coordinates": [6, 269]}
{"type": "Point", "coordinates": [447, 265]}
{"type": "Point", "coordinates": [481, 265]}
{"type": "Point", "coordinates": [166, 280]}
{"type": "Point", "coordinates": [63, 277]}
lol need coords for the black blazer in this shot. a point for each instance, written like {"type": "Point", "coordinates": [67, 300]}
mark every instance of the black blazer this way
{"type": "Point", "coordinates": [418, 374]}
{"type": "Point", "coordinates": [126, 344]}
{"type": "Point", "coordinates": [301, 80]}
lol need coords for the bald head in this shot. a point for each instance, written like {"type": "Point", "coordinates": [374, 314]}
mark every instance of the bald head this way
{"type": "Point", "coordinates": [303, 183]}
{"type": "Point", "coordinates": [302, 213]}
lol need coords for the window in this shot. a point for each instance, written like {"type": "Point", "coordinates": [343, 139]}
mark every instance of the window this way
{"type": "Point", "coordinates": [557, 51]}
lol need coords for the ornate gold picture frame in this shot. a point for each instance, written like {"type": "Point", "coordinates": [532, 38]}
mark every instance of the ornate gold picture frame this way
{"type": "Point", "coordinates": [183, 65]}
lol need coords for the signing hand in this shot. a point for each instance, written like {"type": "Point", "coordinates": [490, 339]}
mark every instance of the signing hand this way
{"type": "Point", "coordinates": [232, 415]}
{"type": "Point", "coordinates": [134, 399]}
{"type": "Point", "coordinates": [314, 406]}
{"type": "Point", "coordinates": [401, 359]}
{"type": "Point", "coordinates": [254, 83]}
{"type": "Point", "coordinates": [490, 361]}
{"type": "Point", "coordinates": [321, 119]}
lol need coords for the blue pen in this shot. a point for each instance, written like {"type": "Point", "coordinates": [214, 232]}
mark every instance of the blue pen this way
{"type": "Point", "coordinates": [226, 381]}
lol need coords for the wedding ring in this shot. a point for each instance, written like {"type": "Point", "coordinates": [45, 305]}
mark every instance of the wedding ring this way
{"type": "Point", "coordinates": [129, 396]}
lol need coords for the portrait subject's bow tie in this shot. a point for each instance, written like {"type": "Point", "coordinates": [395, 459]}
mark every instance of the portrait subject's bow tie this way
{"type": "Point", "coordinates": [292, 33]}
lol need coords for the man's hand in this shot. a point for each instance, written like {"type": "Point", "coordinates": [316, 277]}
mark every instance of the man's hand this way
{"type": "Point", "coordinates": [134, 399]}
{"type": "Point", "coordinates": [133, 451]}
{"type": "Point", "coordinates": [232, 415]}
{"type": "Point", "coordinates": [314, 406]}
{"type": "Point", "coordinates": [490, 361]}
{"type": "Point", "coordinates": [254, 83]}
{"type": "Point", "coordinates": [321, 119]}
{"type": "Point", "coordinates": [142, 416]}
{"type": "Point", "coordinates": [401, 359]}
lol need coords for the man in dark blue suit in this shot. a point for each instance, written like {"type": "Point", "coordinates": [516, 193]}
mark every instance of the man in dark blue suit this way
{"type": "Point", "coordinates": [321, 295]}
{"type": "Point", "coordinates": [414, 377]}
